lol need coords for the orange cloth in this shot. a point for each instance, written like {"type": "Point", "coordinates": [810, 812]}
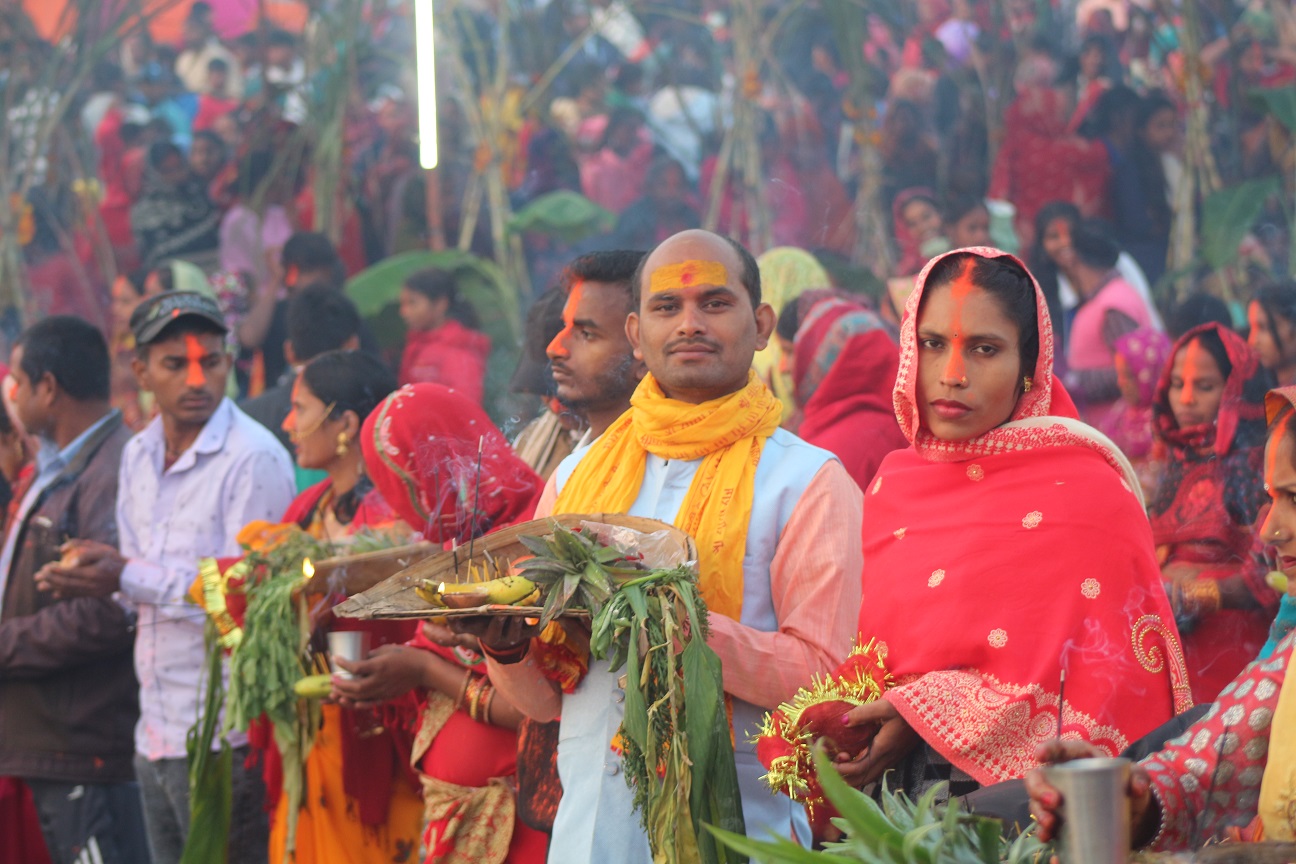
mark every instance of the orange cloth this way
{"type": "Point", "coordinates": [329, 830]}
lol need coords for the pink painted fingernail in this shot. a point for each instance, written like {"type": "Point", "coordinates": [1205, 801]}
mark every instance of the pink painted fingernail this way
{"type": "Point", "coordinates": [845, 719]}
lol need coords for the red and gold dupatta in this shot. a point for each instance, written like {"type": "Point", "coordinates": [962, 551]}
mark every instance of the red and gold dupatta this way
{"type": "Point", "coordinates": [993, 564]}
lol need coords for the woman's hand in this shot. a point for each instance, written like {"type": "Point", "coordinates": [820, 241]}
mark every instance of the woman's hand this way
{"type": "Point", "coordinates": [441, 634]}
{"type": "Point", "coordinates": [388, 672]}
{"type": "Point", "coordinates": [890, 746]}
{"type": "Point", "coordinates": [1045, 799]}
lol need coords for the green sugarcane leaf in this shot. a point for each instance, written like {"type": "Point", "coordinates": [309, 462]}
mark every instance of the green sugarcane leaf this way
{"type": "Point", "coordinates": [777, 851]}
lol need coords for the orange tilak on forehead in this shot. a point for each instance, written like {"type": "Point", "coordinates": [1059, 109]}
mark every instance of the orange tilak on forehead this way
{"type": "Point", "coordinates": [1192, 354]}
{"type": "Point", "coordinates": [687, 274]}
{"type": "Point", "coordinates": [960, 289]}
{"type": "Point", "coordinates": [194, 353]}
{"type": "Point", "coordinates": [559, 344]}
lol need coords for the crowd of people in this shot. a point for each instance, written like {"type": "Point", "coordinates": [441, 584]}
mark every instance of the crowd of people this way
{"type": "Point", "coordinates": [1059, 500]}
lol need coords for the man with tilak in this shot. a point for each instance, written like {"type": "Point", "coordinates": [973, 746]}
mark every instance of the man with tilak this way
{"type": "Point", "coordinates": [777, 524]}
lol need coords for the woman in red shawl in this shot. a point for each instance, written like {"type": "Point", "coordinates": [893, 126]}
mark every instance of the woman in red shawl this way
{"type": "Point", "coordinates": [1006, 547]}
{"type": "Point", "coordinates": [844, 366]}
{"type": "Point", "coordinates": [1209, 411]}
{"type": "Point", "coordinates": [422, 448]}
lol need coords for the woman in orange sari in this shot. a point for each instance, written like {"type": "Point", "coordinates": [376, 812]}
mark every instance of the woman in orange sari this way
{"type": "Point", "coordinates": [1006, 548]}
{"type": "Point", "coordinates": [423, 447]}
{"type": "Point", "coordinates": [360, 803]}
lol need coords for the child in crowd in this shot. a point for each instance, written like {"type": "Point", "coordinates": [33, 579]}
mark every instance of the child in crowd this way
{"type": "Point", "coordinates": [443, 345]}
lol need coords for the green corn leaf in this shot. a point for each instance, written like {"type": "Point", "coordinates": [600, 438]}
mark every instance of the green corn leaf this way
{"type": "Point", "coordinates": [634, 723]}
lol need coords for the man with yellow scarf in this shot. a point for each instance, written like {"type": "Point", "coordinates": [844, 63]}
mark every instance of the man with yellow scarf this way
{"type": "Point", "coordinates": [777, 524]}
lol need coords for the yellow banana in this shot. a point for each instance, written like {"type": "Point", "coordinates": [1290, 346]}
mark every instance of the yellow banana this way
{"type": "Point", "coordinates": [314, 686]}
{"type": "Point", "coordinates": [508, 590]}
{"type": "Point", "coordinates": [504, 591]}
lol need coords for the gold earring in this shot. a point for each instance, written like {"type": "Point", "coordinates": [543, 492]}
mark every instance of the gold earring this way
{"type": "Point", "coordinates": [343, 444]}
{"type": "Point", "coordinates": [1027, 384]}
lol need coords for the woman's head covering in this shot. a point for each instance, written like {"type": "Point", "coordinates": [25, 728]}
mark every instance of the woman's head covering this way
{"type": "Point", "coordinates": [826, 328]}
{"type": "Point", "coordinates": [1240, 422]}
{"type": "Point", "coordinates": [1146, 352]}
{"type": "Point", "coordinates": [1046, 397]}
{"type": "Point", "coordinates": [785, 274]}
{"type": "Point", "coordinates": [1276, 400]}
{"type": "Point", "coordinates": [422, 447]}
{"type": "Point", "coordinates": [911, 252]}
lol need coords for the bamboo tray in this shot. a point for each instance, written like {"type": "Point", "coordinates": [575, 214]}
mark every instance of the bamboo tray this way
{"type": "Point", "coordinates": [394, 597]}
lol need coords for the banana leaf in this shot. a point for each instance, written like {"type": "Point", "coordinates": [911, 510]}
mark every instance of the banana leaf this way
{"type": "Point", "coordinates": [566, 215]}
{"type": "Point", "coordinates": [376, 293]}
{"type": "Point", "coordinates": [211, 775]}
{"type": "Point", "coordinates": [1227, 216]}
{"type": "Point", "coordinates": [1280, 102]}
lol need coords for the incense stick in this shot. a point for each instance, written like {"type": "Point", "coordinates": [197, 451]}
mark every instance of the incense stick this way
{"type": "Point", "coordinates": [472, 519]}
{"type": "Point", "coordinates": [1061, 701]}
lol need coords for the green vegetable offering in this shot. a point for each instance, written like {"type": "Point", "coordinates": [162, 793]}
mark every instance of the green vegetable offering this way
{"type": "Point", "coordinates": [676, 738]}
{"type": "Point", "coordinates": [273, 655]}
{"type": "Point", "coordinates": [211, 774]}
{"type": "Point", "coordinates": [896, 831]}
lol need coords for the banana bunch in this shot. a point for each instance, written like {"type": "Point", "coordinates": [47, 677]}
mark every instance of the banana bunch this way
{"type": "Point", "coordinates": [573, 571]}
{"type": "Point", "coordinates": [502, 591]}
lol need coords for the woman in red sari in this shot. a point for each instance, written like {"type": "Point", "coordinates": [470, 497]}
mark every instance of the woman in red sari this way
{"type": "Point", "coordinates": [422, 449]}
{"type": "Point", "coordinates": [1209, 411]}
{"type": "Point", "coordinates": [1007, 546]}
{"type": "Point", "coordinates": [360, 802]}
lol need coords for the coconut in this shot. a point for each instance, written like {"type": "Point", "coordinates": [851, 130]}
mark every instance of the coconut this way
{"type": "Point", "coordinates": [823, 721]}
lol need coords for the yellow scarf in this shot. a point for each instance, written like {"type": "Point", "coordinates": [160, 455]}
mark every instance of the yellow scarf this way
{"type": "Point", "coordinates": [729, 432]}
{"type": "Point", "coordinates": [1279, 783]}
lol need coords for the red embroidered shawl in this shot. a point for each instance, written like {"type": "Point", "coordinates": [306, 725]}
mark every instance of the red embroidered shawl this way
{"type": "Point", "coordinates": [993, 564]}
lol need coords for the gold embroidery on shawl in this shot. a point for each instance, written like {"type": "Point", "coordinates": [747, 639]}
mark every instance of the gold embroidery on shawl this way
{"type": "Point", "coordinates": [993, 727]}
{"type": "Point", "coordinates": [1153, 657]}
{"type": "Point", "coordinates": [975, 473]}
{"type": "Point", "coordinates": [1091, 588]}
{"type": "Point", "coordinates": [937, 577]}
{"type": "Point", "coordinates": [1032, 519]}
{"type": "Point", "coordinates": [998, 638]}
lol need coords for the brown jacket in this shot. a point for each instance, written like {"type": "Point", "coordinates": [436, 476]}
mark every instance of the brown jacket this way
{"type": "Point", "coordinates": [68, 696]}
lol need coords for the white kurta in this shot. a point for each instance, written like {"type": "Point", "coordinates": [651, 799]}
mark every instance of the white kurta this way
{"type": "Point", "coordinates": [596, 822]}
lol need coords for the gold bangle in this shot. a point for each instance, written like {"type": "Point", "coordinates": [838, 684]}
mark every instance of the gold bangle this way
{"type": "Point", "coordinates": [463, 689]}
{"type": "Point", "coordinates": [474, 697]}
{"type": "Point", "coordinates": [486, 708]}
{"type": "Point", "coordinates": [1201, 597]}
